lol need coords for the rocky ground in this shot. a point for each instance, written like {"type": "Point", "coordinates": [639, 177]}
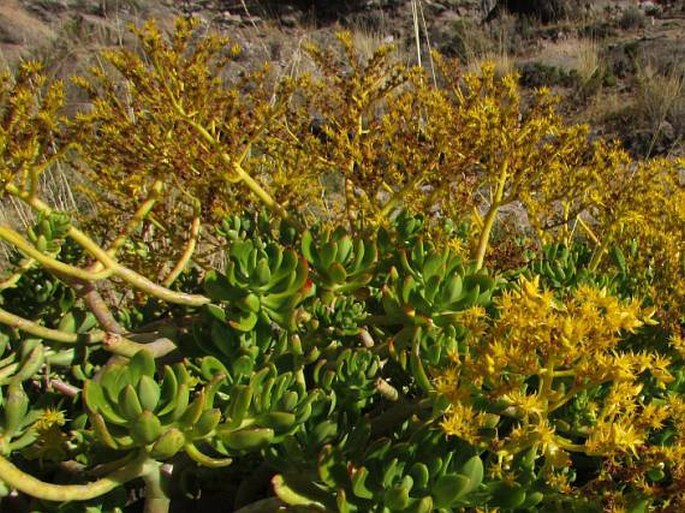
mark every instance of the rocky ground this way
{"type": "Point", "coordinates": [619, 66]}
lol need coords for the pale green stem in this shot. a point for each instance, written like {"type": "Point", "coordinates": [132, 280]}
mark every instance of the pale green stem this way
{"type": "Point", "coordinates": [187, 253]}
{"type": "Point", "coordinates": [134, 223]}
{"type": "Point", "coordinates": [26, 483]}
{"type": "Point", "coordinates": [588, 230]}
{"type": "Point", "coordinates": [489, 219]}
{"type": "Point", "coordinates": [257, 189]}
{"type": "Point", "coordinates": [599, 252]}
{"type": "Point", "coordinates": [156, 498]}
{"type": "Point", "coordinates": [47, 261]}
{"type": "Point", "coordinates": [111, 342]}
{"type": "Point", "coordinates": [547, 382]}
{"type": "Point", "coordinates": [568, 446]}
{"type": "Point", "coordinates": [112, 266]}
{"type": "Point", "coordinates": [17, 322]}
{"type": "Point", "coordinates": [163, 293]}
{"type": "Point", "coordinates": [565, 374]}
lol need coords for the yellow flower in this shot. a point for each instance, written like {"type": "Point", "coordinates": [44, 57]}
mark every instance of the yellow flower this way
{"type": "Point", "coordinates": [607, 439]}
{"type": "Point", "coordinates": [463, 421]}
{"type": "Point", "coordinates": [525, 405]}
{"type": "Point", "coordinates": [473, 319]}
{"type": "Point", "coordinates": [48, 419]}
{"type": "Point", "coordinates": [677, 342]}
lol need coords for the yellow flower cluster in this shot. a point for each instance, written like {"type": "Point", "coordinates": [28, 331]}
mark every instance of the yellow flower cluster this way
{"type": "Point", "coordinates": [537, 356]}
{"type": "Point", "coordinates": [29, 127]}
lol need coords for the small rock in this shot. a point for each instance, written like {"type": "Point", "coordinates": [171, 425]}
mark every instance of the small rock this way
{"type": "Point", "coordinates": [230, 18]}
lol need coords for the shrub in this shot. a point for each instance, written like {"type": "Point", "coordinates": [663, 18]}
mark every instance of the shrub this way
{"type": "Point", "coordinates": [632, 18]}
{"type": "Point", "coordinates": [353, 352]}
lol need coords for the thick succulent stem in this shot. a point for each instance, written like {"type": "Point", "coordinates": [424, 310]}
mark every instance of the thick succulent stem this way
{"type": "Point", "coordinates": [156, 498]}
{"type": "Point", "coordinates": [15, 239]}
{"type": "Point", "coordinates": [17, 322]}
{"type": "Point", "coordinates": [26, 483]}
{"type": "Point", "coordinates": [112, 342]}
{"type": "Point", "coordinates": [96, 305]}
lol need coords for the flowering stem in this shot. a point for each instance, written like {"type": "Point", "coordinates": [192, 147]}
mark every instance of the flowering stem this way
{"type": "Point", "coordinates": [398, 196]}
{"type": "Point", "coordinates": [349, 200]}
{"type": "Point", "coordinates": [236, 164]}
{"type": "Point", "coordinates": [187, 253]}
{"type": "Point", "coordinates": [112, 267]}
{"type": "Point", "coordinates": [587, 230]}
{"type": "Point", "coordinates": [599, 253]}
{"type": "Point", "coordinates": [489, 220]}
{"type": "Point", "coordinates": [134, 223]}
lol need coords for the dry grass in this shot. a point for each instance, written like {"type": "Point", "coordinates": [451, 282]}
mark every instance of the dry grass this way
{"type": "Point", "coordinates": [661, 95]}
{"type": "Point", "coordinates": [368, 40]}
{"type": "Point", "coordinates": [581, 55]}
{"type": "Point", "coordinates": [497, 45]}
{"type": "Point", "coordinates": [504, 62]}
{"type": "Point", "coordinates": [660, 101]}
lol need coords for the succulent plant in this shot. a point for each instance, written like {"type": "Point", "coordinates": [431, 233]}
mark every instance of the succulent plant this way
{"type": "Point", "coordinates": [259, 284]}
{"type": "Point", "coordinates": [356, 349]}
{"type": "Point", "coordinates": [420, 473]}
{"type": "Point", "coordinates": [342, 263]}
{"type": "Point", "coordinates": [351, 374]}
{"type": "Point", "coordinates": [128, 409]}
{"type": "Point", "coordinates": [264, 411]}
{"type": "Point", "coordinates": [431, 288]}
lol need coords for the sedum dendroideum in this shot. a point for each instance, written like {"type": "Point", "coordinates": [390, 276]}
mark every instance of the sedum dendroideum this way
{"type": "Point", "coordinates": [224, 320]}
